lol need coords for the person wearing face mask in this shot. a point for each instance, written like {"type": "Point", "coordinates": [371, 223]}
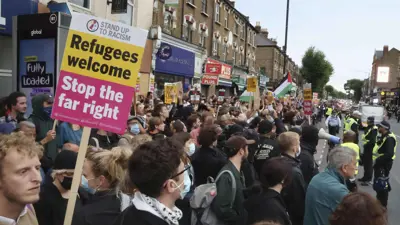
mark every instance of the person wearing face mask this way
{"type": "Point", "coordinates": [134, 127]}
{"type": "Point", "coordinates": [267, 146]}
{"type": "Point", "coordinates": [237, 151]}
{"type": "Point", "coordinates": [328, 188]}
{"type": "Point", "coordinates": [294, 194]}
{"type": "Point", "coordinates": [102, 172]}
{"type": "Point", "coordinates": [159, 181]}
{"type": "Point", "coordinates": [184, 203]}
{"type": "Point", "coordinates": [45, 135]}
{"type": "Point", "coordinates": [308, 145]}
{"type": "Point", "coordinates": [52, 206]}
{"type": "Point", "coordinates": [266, 203]}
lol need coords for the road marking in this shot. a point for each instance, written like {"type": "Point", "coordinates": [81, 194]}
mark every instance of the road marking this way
{"type": "Point", "coordinates": [320, 156]}
{"type": "Point", "coordinates": [319, 162]}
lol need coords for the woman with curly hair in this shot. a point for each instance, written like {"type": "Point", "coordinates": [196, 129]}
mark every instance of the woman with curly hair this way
{"type": "Point", "coordinates": [359, 208]}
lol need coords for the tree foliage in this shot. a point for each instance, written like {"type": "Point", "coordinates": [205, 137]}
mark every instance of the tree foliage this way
{"type": "Point", "coordinates": [334, 93]}
{"type": "Point", "coordinates": [316, 69]}
{"type": "Point", "coordinates": [356, 85]}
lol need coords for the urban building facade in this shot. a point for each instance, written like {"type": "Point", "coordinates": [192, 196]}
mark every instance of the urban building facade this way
{"type": "Point", "coordinates": [270, 59]}
{"type": "Point", "coordinates": [213, 32]}
{"type": "Point", "coordinates": [385, 72]}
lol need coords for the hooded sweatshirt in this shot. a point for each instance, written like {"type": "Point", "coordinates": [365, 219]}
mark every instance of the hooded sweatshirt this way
{"type": "Point", "coordinates": [43, 124]}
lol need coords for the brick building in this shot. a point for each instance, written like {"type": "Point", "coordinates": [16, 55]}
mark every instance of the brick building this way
{"type": "Point", "coordinates": [385, 58]}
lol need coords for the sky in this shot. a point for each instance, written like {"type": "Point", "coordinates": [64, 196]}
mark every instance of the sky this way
{"type": "Point", "coordinates": [347, 31]}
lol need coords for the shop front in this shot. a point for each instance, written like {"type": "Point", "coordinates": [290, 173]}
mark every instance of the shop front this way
{"type": "Point", "coordinates": [218, 74]}
{"type": "Point", "coordinates": [8, 9]}
{"type": "Point", "coordinates": [173, 64]}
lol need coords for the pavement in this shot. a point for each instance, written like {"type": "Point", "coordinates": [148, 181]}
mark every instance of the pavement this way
{"type": "Point", "coordinates": [394, 195]}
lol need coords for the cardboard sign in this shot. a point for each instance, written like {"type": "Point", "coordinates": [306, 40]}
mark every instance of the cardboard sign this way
{"type": "Point", "coordinates": [307, 103]}
{"type": "Point", "coordinates": [252, 84]}
{"type": "Point", "coordinates": [98, 73]}
{"type": "Point", "coordinates": [170, 93]}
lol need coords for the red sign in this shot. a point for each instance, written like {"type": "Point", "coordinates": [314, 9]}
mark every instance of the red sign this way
{"type": "Point", "coordinates": [213, 69]}
{"type": "Point", "coordinates": [209, 79]}
{"type": "Point", "coordinates": [224, 69]}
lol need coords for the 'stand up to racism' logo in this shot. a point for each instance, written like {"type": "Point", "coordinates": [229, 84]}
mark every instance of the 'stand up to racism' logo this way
{"type": "Point", "coordinates": [92, 25]}
{"type": "Point", "coordinates": [164, 52]}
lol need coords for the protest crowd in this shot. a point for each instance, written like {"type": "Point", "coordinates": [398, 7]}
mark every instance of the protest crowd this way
{"type": "Point", "coordinates": [197, 161]}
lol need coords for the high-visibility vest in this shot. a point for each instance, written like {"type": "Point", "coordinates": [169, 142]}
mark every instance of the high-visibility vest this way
{"type": "Point", "coordinates": [375, 153]}
{"type": "Point", "coordinates": [364, 139]}
{"type": "Point", "coordinates": [349, 123]}
{"type": "Point", "coordinates": [329, 111]}
{"type": "Point", "coordinates": [356, 148]}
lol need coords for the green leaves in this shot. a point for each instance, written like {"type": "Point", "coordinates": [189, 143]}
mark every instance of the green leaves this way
{"type": "Point", "coordinates": [316, 69]}
{"type": "Point", "coordinates": [356, 85]}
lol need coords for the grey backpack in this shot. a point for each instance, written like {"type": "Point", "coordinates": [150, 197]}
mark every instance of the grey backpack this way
{"type": "Point", "coordinates": [202, 198]}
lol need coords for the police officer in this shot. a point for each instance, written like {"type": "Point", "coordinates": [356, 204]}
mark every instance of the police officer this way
{"type": "Point", "coordinates": [384, 153]}
{"type": "Point", "coordinates": [329, 111]}
{"type": "Point", "coordinates": [352, 124]}
{"type": "Point", "coordinates": [369, 140]}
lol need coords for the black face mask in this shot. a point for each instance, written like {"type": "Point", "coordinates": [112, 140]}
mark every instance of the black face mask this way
{"type": "Point", "coordinates": [67, 183]}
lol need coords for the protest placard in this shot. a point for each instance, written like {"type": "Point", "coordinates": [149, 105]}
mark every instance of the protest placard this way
{"type": "Point", "coordinates": [97, 80]}
{"type": "Point", "coordinates": [252, 84]}
{"type": "Point", "coordinates": [307, 103]}
{"type": "Point", "coordinates": [170, 93]}
{"type": "Point", "coordinates": [98, 73]}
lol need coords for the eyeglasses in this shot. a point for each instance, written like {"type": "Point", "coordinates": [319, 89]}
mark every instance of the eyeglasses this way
{"type": "Point", "coordinates": [185, 169]}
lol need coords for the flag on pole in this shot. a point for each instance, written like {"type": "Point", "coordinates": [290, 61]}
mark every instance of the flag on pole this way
{"type": "Point", "coordinates": [246, 96]}
{"type": "Point", "coordinates": [284, 87]}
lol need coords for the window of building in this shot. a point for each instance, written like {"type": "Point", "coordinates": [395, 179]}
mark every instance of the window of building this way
{"type": "Point", "coordinates": [217, 13]}
{"type": "Point", "coordinates": [204, 6]}
{"type": "Point", "coordinates": [188, 33]}
{"type": "Point", "coordinates": [236, 28]}
{"type": "Point", "coordinates": [215, 47]}
{"type": "Point", "coordinates": [81, 3]}
{"type": "Point", "coordinates": [242, 32]}
{"type": "Point", "coordinates": [262, 70]}
{"type": "Point", "coordinates": [202, 41]}
{"type": "Point", "coordinates": [226, 19]}
{"type": "Point", "coordinates": [127, 17]}
{"type": "Point", "coordinates": [225, 52]}
{"type": "Point", "coordinates": [254, 38]}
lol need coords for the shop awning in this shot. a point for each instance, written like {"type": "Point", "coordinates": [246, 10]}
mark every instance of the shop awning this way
{"type": "Point", "coordinates": [224, 82]}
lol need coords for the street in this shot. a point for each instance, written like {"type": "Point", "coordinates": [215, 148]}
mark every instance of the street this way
{"type": "Point", "coordinates": [394, 199]}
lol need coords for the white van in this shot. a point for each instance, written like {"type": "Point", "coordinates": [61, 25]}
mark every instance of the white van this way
{"type": "Point", "coordinates": [377, 111]}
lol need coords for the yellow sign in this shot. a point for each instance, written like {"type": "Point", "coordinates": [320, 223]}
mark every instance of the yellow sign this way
{"type": "Point", "coordinates": [382, 93]}
{"type": "Point", "coordinates": [170, 92]}
{"type": "Point", "coordinates": [102, 58]}
{"type": "Point", "coordinates": [252, 84]}
{"type": "Point", "coordinates": [307, 94]}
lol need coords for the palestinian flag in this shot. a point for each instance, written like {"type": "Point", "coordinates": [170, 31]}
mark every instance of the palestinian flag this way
{"type": "Point", "coordinates": [246, 96]}
{"type": "Point", "coordinates": [284, 87]}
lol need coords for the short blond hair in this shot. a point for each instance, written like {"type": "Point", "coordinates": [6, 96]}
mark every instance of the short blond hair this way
{"type": "Point", "coordinates": [286, 140]}
{"type": "Point", "coordinates": [21, 143]}
{"type": "Point", "coordinates": [139, 140]}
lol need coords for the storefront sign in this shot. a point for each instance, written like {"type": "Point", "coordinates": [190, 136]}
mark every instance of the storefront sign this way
{"type": "Point", "coordinates": [224, 70]}
{"type": "Point", "coordinates": [10, 8]}
{"type": "Point", "coordinates": [209, 79]}
{"type": "Point", "coordinates": [96, 88]}
{"type": "Point", "coordinates": [175, 61]}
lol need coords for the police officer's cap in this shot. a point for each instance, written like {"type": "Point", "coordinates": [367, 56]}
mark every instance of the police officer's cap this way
{"type": "Point", "coordinates": [385, 125]}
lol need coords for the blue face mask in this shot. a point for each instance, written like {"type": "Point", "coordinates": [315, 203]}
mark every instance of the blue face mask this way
{"type": "Point", "coordinates": [48, 110]}
{"type": "Point", "coordinates": [135, 129]}
{"type": "Point", "coordinates": [192, 149]}
{"type": "Point", "coordinates": [85, 185]}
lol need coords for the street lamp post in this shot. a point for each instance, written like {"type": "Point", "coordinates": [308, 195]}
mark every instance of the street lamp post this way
{"type": "Point", "coordinates": [286, 37]}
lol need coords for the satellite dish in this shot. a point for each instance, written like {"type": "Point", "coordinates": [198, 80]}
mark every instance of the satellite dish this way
{"type": "Point", "coordinates": [230, 38]}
